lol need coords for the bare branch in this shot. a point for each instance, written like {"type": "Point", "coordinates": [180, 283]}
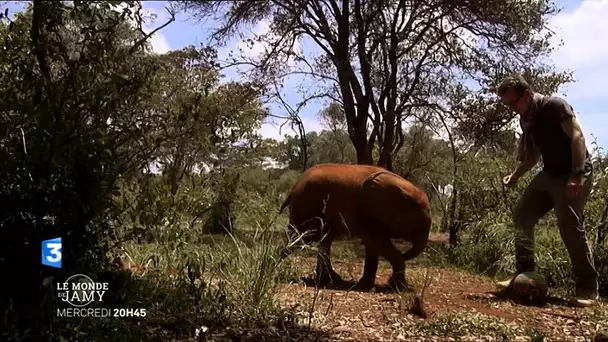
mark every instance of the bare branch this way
{"type": "Point", "coordinates": [147, 36]}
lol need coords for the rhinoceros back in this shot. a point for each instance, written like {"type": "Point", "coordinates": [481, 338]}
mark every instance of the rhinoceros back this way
{"type": "Point", "coordinates": [350, 193]}
{"type": "Point", "coordinates": [402, 208]}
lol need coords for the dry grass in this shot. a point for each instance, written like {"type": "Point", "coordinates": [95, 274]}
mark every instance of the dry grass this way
{"type": "Point", "coordinates": [232, 288]}
{"type": "Point", "coordinates": [458, 306]}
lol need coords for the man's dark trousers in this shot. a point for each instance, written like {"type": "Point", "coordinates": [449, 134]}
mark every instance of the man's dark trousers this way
{"type": "Point", "coordinates": [546, 192]}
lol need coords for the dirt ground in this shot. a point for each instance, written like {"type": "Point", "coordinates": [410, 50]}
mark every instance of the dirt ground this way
{"type": "Point", "coordinates": [460, 307]}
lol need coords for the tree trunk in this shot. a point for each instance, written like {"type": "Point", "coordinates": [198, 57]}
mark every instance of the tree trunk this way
{"type": "Point", "coordinates": [386, 145]}
{"type": "Point", "coordinates": [453, 226]}
{"type": "Point", "coordinates": [386, 161]}
{"type": "Point", "coordinates": [364, 150]}
{"type": "Point", "coordinates": [364, 156]}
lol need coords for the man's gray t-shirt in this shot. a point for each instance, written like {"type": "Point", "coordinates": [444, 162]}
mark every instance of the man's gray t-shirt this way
{"type": "Point", "coordinates": [543, 134]}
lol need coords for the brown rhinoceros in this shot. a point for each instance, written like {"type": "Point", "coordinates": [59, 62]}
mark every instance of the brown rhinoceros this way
{"type": "Point", "coordinates": [368, 202]}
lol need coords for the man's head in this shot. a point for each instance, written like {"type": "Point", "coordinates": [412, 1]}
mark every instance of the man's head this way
{"type": "Point", "coordinates": [515, 93]}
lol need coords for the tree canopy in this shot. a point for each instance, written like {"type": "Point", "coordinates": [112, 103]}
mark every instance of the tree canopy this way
{"type": "Point", "coordinates": [385, 62]}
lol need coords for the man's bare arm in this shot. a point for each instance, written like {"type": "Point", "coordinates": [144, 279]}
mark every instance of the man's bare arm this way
{"type": "Point", "coordinates": [527, 155]}
{"type": "Point", "coordinates": [573, 129]}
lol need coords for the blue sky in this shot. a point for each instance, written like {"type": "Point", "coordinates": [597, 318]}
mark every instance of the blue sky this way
{"type": "Point", "coordinates": [580, 26]}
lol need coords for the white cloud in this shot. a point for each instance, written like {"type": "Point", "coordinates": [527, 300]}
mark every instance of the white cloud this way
{"type": "Point", "coordinates": [583, 33]}
{"type": "Point", "coordinates": [154, 18]}
{"type": "Point", "coordinates": [247, 47]}
{"type": "Point", "coordinates": [254, 49]}
{"type": "Point", "coordinates": [159, 43]}
{"type": "Point", "coordinates": [271, 130]}
{"type": "Point", "coordinates": [584, 51]}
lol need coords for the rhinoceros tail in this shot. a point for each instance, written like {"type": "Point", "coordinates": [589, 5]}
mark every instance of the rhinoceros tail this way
{"type": "Point", "coordinates": [416, 249]}
{"type": "Point", "coordinates": [420, 240]}
{"type": "Point", "coordinates": [285, 203]}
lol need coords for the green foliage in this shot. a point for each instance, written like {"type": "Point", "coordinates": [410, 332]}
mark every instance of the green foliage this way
{"type": "Point", "coordinates": [151, 213]}
{"type": "Point", "coordinates": [223, 283]}
{"type": "Point", "coordinates": [87, 110]}
{"type": "Point", "coordinates": [470, 326]}
{"type": "Point", "coordinates": [222, 208]}
{"type": "Point", "coordinates": [68, 110]}
{"type": "Point", "coordinates": [384, 70]}
{"type": "Point", "coordinates": [261, 194]}
{"type": "Point", "coordinates": [321, 147]}
{"type": "Point", "coordinates": [85, 107]}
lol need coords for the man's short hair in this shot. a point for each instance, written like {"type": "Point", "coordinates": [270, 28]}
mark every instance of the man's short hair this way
{"type": "Point", "coordinates": [516, 82]}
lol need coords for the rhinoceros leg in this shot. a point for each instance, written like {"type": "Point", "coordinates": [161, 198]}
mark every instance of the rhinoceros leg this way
{"type": "Point", "coordinates": [370, 268]}
{"type": "Point", "coordinates": [395, 258]}
{"type": "Point", "coordinates": [383, 246]}
{"type": "Point", "coordinates": [325, 273]}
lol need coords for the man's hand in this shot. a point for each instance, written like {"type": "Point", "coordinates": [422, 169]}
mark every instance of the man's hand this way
{"type": "Point", "coordinates": [575, 184]}
{"type": "Point", "coordinates": [510, 180]}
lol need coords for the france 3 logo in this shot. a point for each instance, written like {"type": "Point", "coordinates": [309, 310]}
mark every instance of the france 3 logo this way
{"type": "Point", "coordinates": [51, 252]}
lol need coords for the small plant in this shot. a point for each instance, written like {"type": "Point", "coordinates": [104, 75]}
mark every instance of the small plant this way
{"type": "Point", "coordinates": [412, 301]}
{"type": "Point", "coordinates": [467, 326]}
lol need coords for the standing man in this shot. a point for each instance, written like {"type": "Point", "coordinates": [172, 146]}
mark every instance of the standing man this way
{"type": "Point", "coordinates": [551, 130]}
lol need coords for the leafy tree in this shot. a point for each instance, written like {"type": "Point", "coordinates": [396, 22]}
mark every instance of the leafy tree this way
{"type": "Point", "coordinates": [480, 119]}
{"type": "Point", "coordinates": [74, 88]}
{"type": "Point", "coordinates": [338, 145]}
{"type": "Point", "coordinates": [386, 61]}
{"type": "Point", "coordinates": [202, 123]}
{"type": "Point", "coordinates": [293, 151]}
{"type": "Point", "coordinates": [478, 125]}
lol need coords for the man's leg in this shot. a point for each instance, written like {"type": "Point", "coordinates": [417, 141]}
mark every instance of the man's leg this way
{"type": "Point", "coordinates": [535, 203]}
{"type": "Point", "coordinates": [570, 218]}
